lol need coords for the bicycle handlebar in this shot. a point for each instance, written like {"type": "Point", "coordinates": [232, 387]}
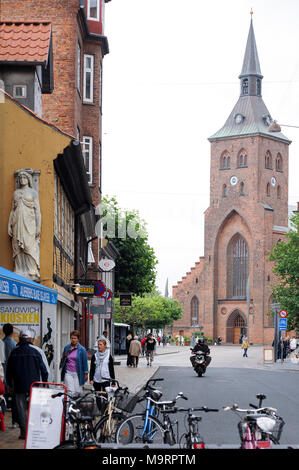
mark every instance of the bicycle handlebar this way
{"type": "Point", "coordinates": [255, 410]}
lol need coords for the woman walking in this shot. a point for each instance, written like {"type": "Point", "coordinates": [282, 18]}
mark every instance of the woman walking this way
{"type": "Point", "coordinates": [135, 351]}
{"type": "Point", "coordinates": [245, 346]}
{"type": "Point", "coordinates": [101, 369]}
{"type": "Point", "coordinates": [74, 365]}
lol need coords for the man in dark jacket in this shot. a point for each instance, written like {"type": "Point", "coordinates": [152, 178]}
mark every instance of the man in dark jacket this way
{"type": "Point", "coordinates": [24, 366]}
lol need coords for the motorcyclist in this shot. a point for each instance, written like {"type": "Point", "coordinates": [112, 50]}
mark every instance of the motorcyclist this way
{"type": "Point", "coordinates": [202, 346]}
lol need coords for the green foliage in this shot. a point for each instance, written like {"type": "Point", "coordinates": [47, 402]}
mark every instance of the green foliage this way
{"type": "Point", "coordinates": [149, 311]}
{"type": "Point", "coordinates": [135, 267]}
{"type": "Point", "coordinates": [286, 258]}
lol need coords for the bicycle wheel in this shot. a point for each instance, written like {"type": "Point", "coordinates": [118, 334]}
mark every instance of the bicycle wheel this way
{"type": "Point", "coordinates": [104, 432]}
{"type": "Point", "coordinates": [131, 431]}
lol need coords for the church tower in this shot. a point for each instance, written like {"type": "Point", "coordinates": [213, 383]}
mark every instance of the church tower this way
{"type": "Point", "coordinates": [248, 214]}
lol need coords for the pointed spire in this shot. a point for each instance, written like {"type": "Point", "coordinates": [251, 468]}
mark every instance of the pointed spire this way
{"type": "Point", "coordinates": [166, 289]}
{"type": "Point", "coordinates": [251, 63]}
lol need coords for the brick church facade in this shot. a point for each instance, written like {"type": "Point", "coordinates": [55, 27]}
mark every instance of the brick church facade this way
{"type": "Point", "coordinates": [228, 291]}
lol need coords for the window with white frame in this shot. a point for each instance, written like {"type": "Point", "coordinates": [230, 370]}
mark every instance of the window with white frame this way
{"type": "Point", "coordinates": [78, 66]}
{"type": "Point", "coordinates": [93, 10]}
{"type": "Point", "coordinates": [64, 220]}
{"type": "Point", "coordinates": [88, 78]}
{"type": "Point", "coordinates": [87, 154]}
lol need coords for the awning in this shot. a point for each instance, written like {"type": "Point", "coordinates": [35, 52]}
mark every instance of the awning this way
{"type": "Point", "coordinates": [19, 286]}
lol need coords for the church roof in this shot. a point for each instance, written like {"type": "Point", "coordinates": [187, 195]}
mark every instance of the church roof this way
{"type": "Point", "coordinates": [250, 115]}
{"type": "Point", "coordinates": [255, 113]}
{"type": "Point", "coordinates": [251, 63]}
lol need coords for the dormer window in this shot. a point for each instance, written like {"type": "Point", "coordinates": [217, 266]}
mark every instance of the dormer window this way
{"type": "Point", "coordinates": [258, 87]}
{"type": "Point", "coordinates": [93, 10]}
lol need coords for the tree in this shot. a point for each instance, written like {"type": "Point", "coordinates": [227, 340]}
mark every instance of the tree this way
{"type": "Point", "coordinates": [135, 267]}
{"type": "Point", "coordinates": [149, 311]}
{"type": "Point", "coordinates": [286, 257]}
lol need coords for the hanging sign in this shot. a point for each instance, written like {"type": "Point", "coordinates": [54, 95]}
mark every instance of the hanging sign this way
{"type": "Point", "coordinates": [282, 324]}
{"type": "Point", "coordinates": [106, 264]}
{"type": "Point", "coordinates": [45, 416]}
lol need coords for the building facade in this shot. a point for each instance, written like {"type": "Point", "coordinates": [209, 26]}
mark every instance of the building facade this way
{"type": "Point", "coordinates": [73, 101]}
{"type": "Point", "coordinates": [229, 289]}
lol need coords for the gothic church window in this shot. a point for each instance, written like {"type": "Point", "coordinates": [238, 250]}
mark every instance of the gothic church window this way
{"type": "Point", "coordinates": [242, 159]}
{"type": "Point", "coordinates": [258, 87]}
{"type": "Point", "coordinates": [242, 189]}
{"type": "Point", "coordinates": [237, 267]}
{"type": "Point", "coordinates": [268, 160]}
{"type": "Point", "coordinates": [268, 190]}
{"type": "Point", "coordinates": [225, 161]}
{"type": "Point", "coordinates": [224, 190]}
{"type": "Point", "coordinates": [278, 192]}
{"type": "Point", "coordinates": [194, 311]}
{"type": "Point", "coordinates": [278, 162]}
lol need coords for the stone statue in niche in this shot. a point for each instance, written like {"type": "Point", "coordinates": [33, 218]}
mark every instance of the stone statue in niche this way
{"type": "Point", "coordinates": [24, 227]}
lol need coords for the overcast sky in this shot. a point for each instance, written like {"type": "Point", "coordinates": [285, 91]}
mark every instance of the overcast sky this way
{"type": "Point", "coordinates": [170, 82]}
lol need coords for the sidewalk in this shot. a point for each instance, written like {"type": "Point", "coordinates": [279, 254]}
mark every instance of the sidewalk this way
{"type": "Point", "coordinates": [133, 378]}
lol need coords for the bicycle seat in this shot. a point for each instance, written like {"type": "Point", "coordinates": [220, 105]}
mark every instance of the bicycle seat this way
{"type": "Point", "coordinates": [261, 396]}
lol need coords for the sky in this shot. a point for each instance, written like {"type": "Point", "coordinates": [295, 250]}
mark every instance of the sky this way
{"type": "Point", "coordinates": [170, 82]}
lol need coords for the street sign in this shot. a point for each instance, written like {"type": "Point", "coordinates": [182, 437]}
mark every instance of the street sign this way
{"type": "Point", "coordinates": [106, 264]}
{"type": "Point", "coordinates": [283, 313]}
{"type": "Point", "coordinates": [85, 289]}
{"type": "Point", "coordinates": [99, 288]}
{"type": "Point", "coordinates": [282, 324]}
{"type": "Point", "coordinates": [125, 300]}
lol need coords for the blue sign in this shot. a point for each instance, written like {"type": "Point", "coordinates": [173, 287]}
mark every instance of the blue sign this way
{"type": "Point", "coordinates": [283, 324]}
{"type": "Point", "coordinates": [18, 286]}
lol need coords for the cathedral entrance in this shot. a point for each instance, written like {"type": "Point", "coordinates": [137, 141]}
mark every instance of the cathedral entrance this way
{"type": "Point", "coordinates": [236, 325]}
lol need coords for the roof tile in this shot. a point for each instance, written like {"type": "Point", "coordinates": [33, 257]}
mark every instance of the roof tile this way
{"type": "Point", "coordinates": [24, 42]}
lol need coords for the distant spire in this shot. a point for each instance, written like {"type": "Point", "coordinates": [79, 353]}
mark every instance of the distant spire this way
{"type": "Point", "coordinates": [251, 63]}
{"type": "Point", "coordinates": [166, 289]}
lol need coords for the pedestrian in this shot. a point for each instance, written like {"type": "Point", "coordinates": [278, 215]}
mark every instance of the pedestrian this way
{"type": "Point", "coordinates": [101, 369]}
{"type": "Point", "coordinates": [24, 366]}
{"type": "Point", "coordinates": [74, 365]}
{"type": "Point", "coordinates": [150, 344]}
{"type": "Point", "coordinates": [2, 353]}
{"type": "Point", "coordinates": [135, 351]}
{"type": "Point", "coordinates": [164, 340]}
{"type": "Point", "coordinates": [128, 342]}
{"type": "Point", "coordinates": [105, 336]}
{"type": "Point", "coordinates": [159, 340]}
{"type": "Point", "coordinates": [9, 346]}
{"type": "Point", "coordinates": [2, 399]}
{"type": "Point", "coordinates": [30, 335]}
{"type": "Point", "coordinates": [293, 344]}
{"type": "Point", "coordinates": [245, 346]}
{"type": "Point", "coordinates": [143, 345]}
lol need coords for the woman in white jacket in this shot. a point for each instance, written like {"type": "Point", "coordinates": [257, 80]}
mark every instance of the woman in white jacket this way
{"type": "Point", "coordinates": [101, 368]}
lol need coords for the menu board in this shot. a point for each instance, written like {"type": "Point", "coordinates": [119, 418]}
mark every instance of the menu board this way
{"type": "Point", "coordinates": [45, 416]}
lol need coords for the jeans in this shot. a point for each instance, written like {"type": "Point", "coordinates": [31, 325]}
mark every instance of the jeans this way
{"type": "Point", "coordinates": [245, 352]}
{"type": "Point", "coordinates": [21, 403]}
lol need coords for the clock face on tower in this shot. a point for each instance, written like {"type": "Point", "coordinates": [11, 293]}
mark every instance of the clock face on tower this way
{"type": "Point", "coordinates": [273, 181]}
{"type": "Point", "coordinates": [233, 180]}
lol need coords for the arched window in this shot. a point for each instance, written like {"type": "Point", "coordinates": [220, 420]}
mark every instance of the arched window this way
{"type": "Point", "coordinates": [278, 192]}
{"type": "Point", "coordinates": [268, 160]}
{"type": "Point", "coordinates": [194, 311]}
{"type": "Point", "coordinates": [245, 86]}
{"type": "Point", "coordinates": [258, 87]}
{"type": "Point", "coordinates": [224, 190]}
{"type": "Point", "coordinates": [237, 267]}
{"type": "Point", "coordinates": [278, 162]}
{"type": "Point", "coordinates": [225, 161]}
{"type": "Point", "coordinates": [242, 159]}
{"type": "Point", "coordinates": [268, 190]}
{"type": "Point", "coordinates": [242, 188]}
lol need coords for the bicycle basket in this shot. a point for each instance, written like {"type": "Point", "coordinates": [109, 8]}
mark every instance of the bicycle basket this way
{"type": "Point", "coordinates": [88, 407]}
{"type": "Point", "coordinates": [271, 426]}
{"type": "Point", "coordinates": [127, 402]}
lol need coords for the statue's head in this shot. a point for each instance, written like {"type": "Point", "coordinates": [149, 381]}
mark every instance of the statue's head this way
{"type": "Point", "coordinates": [26, 175]}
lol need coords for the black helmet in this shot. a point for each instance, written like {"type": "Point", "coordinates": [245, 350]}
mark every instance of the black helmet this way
{"type": "Point", "coordinates": [200, 341]}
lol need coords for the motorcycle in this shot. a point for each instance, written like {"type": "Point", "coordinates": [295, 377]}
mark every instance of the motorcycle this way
{"type": "Point", "coordinates": [200, 361]}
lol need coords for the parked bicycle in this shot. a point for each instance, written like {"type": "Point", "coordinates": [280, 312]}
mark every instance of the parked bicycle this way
{"type": "Point", "coordinates": [260, 426]}
{"type": "Point", "coordinates": [80, 413]}
{"type": "Point", "coordinates": [119, 403]}
{"type": "Point", "coordinates": [191, 439]}
{"type": "Point", "coordinates": [146, 427]}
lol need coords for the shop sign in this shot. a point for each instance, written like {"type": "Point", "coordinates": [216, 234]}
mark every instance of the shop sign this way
{"type": "Point", "coordinates": [22, 315]}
